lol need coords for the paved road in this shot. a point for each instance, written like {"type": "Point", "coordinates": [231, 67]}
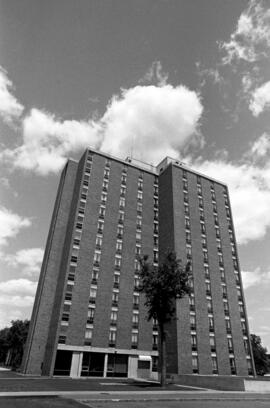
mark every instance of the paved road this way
{"type": "Point", "coordinates": [238, 402]}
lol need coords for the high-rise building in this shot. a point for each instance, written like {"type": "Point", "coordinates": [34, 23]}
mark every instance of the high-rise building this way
{"type": "Point", "coordinates": [89, 318]}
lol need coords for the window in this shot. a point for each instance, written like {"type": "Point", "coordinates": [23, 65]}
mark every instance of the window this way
{"type": "Point", "coordinates": [212, 342]}
{"type": "Point", "coordinates": [121, 218]}
{"type": "Point", "coordinates": [246, 345]}
{"type": "Point", "coordinates": [98, 242]}
{"type": "Point", "coordinates": [214, 364]}
{"type": "Point", "coordinates": [194, 341]}
{"type": "Point", "coordinates": [206, 271]}
{"type": "Point", "coordinates": [115, 297]}
{"type": "Point", "coordinates": [184, 174]}
{"type": "Point", "coordinates": [139, 195]}
{"type": "Point", "coordinates": [186, 209]}
{"type": "Point", "coordinates": [226, 308]}
{"type": "Point", "coordinates": [192, 320]}
{"type": "Point", "coordinates": [105, 185]}
{"type": "Point", "coordinates": [195, 364]}
{"type": "Point", "coordinates": [185, 197]}
{"type": "Point", "coordinates": [136, 283]}
{"type": "Point", "coordinates": [62, 339]}
{"type": "Point", "coordinates": [117, 262]}
{"type": "Point", "coordinates": [230, 344]}
{"type": "Point", "coordinates": [112, 336]}
{"type": "Point", "coordinates": [97, 256]}
{"type": "Point", "coordinates": [136, 301]}
{"type": "Point", "coordinates": [155, 256]}
{"type": "Point", "coordinates": [68, 296]}
{"type": "Point", "coordinates": [140, 185]}
{"type": "Point", "coordinates": [209, 306]}
{"type": "Point", "coordinates": [232, 365]}
{"type": "Point", "coordinates": [185, 185]}
{"type": "Point", "coordinates": [200, 202]}
{"type": "Point", "coordinates": [188, 237]}
{"type": "Point", "coordinates": [139, 223]}
{"type": "Point", "coordinates": [134, 338]}
{"type": "Point", "coordinates": [119, 246]}
{"type": "Point", "coordinates": [139, 208]}
{"type": "Point", "coordinates": [122, 191]}
{"type": "Point", "coordinates": [208, 288]}
{"type": "Point", "coordinates": [192, 303]}
{"type": "Point", "coordinates": [228, 326]}
{"type": "Point", "coordinates": [65, 317]}
{"type": "Point", "coordinates": [155, 339]}
{"type": "Point", "coordinates": [204, 242]}
{"type": "Point", "coordinates": [135, 319]}
{"type": "Point", "coordinates": [188, 251]}
{"type": "Point", "coordinates": [187, 223]}
{"type": "Point", "coordinates": [244, 327]}
{"type": "Point", "coordinates": [106, 173]}
{"type": "Point", "coordinates": [100, 227]}
{"type": "Point", "coordinates": [120, 231]}
{"type": "Point", "coordinates": [93, 293]}
{"type": "Point", "coordinates": [224, 291]}
{"type": "Point", "coordinates": [90, 315]}
{"type": "Point", "coordinates": [205, 256]}
{"type": "Point", "coordinates": [122, 203]}
{"type": "Point", "coordinates": [203, 228]}
{"type": "Point", "coordinates": [94, 276]}
{"type": "Point", "coordinates": [138, 236]}
{"type": "Point", "coordinates": [124, 179]}
{"type": "Point", "coordinates": [211, 323]}
{"type": "Point", "coordinates": [113, 316]}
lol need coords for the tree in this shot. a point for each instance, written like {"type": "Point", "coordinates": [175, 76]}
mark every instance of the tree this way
{"type": "Point", "coordinates": [260, 355]}
{"type": "Point", "coordinates": [12, 342]}
{"type": "Point", "coordinates": [162, 285]}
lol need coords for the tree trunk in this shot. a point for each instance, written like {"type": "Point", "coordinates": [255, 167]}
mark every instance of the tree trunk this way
{"type": "Point", "coordinates": [163, 356]}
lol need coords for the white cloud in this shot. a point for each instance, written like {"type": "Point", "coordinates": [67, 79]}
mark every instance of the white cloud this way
{"type": "Point", "coordinates": [18, 287]}
{"type": "Point", "coordinates": [11, 224]}
{"type": "Point", "coordinates": [155, 74]}
{"type": "Point", "coordinates": [261, 146]}
{"type": "Point", "coordinates": [256, 277]}
{"type": "Point", "coordinates": [149, 121]}
{"type": "Point", "coordinates": [260, 99]}
{"type": "Point", "coordinates": [10, 108]}
{"type": "Point", "coordinates": [247, 184]}
{"type": "Point", "coordinates": [251, 39]}
{"type": "Point", "coordinates": [7, 315]}
{"type": "Point", "coordinates": [16, 299]}
{"type": "Point", "coordinates": [30, 259]}
{"type": "Point", "coordinates": [47, 141]}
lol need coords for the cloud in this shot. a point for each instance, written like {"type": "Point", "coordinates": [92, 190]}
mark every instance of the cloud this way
{"type": "Point", "coordinates": [18, 287]}
{"type": "Point", "coordinates": [208, 73]}
{"type": "Point", "coordinates": [261, 146]}
{"type": "Point", "coordinates": [11, 224]}
{"type": "Point", "coordinates": [251, 39]}
{"type": "Point", "coordinates": [10, 108]}
{"type": "Point", "coordinates": [149, 121]}
{"type": "Point", "coordinates": [7, 315]}
{"type": "Point", "coordinates": [256, 277]}
{"type": "Point", "coordinates": [48, 140]}
{"type": "Point", "coordinates": [155, 74]}
{"type": "Point", "coordinates": [16, 300]}
{"type": "Point", "coordinates": [260, 99]}
{"type": "Point", "coordinates": [30, 259]}
{"type": "Point", "coordinates": [246, 182]}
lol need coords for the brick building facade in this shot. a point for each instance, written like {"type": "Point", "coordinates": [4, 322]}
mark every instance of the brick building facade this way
{"type": "Point", "coordinates": [89, 318]}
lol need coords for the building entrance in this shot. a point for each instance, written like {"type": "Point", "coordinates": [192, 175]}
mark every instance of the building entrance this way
{"type": "Point", "coordinates": [117, 365]}
{"type": "Point", "coordinates": [92, 365]}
